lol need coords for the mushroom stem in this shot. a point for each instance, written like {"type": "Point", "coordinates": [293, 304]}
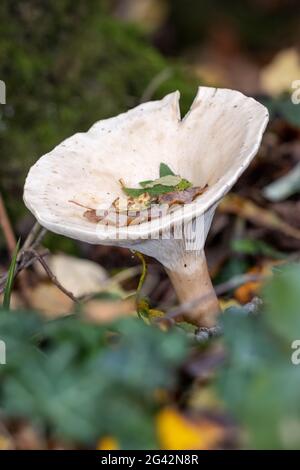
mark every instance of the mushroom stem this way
{"type": "Point", "coordinates": [192, 282]}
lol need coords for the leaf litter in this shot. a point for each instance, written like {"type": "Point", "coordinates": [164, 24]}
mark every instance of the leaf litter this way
{"type": "Point", "coordinates": [149, 202]}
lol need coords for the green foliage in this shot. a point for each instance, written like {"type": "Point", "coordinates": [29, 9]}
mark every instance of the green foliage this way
{"type": "Point", "coordinates": [284, 108]}
{"type": "Point", "coordinates": [66, 65]}
{"type": "Point", "coordinates": [259, 382]}
{"type": "Point", "coordinates": [282, 297]}
{"type": "Point", "coordinates": [165, 170]}
{"type": "Point", "coordinates": [251, 246]}
{"type": "Point", "coordinates": [155, 191]}
{"type": "Point", "coordinates": [235, 266]}
{"type": "Point", "coordinates": [81, 381]}
{"type": "Point", "coordinates": [166, 183]}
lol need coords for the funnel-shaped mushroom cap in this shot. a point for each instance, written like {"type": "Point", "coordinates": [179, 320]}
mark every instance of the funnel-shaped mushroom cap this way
{"type": "Point", "coordinates": [212, 145]}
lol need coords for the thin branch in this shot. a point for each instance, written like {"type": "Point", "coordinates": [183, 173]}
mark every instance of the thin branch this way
{"type": "Point", "coordinates": [237, 281]}
{"type": "Point", "coordinates": [34, 237]}
{"type": "Point", "coordinates": [52, 276]}
{"type": "Point", "coordinates": [23, 263]}
{"type": "Point", "coordinates": [220, 289]}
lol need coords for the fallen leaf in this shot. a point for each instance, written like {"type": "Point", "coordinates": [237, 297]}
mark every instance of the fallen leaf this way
{"type": "Point", "coordinates": [176, 432]}
{"type": "Point", "coordinates": [49, 300]}
{"type": "Point", "coordinates": [227, 303]}
{"type": "Point", "coordinates": [6, 443]}
{"type": "Point", "coordinates": [278, 76]}
{"type": "Point", "coordinates": [108, 443]}
{"type": "Point", "coordinates": [168, 180]}
{"type": "Point", "coordinates": [107, 310]}
{"type": "Point", "coordinates": [181, 197]}
{"type": "Point", "coordinates": [246, 292]}
{"type": "Point", "coordinates": [91, 216]}
{"type": "Point", "coordinates": [77, 275]}
{"type": "Point", "coordinates": [155, 191]}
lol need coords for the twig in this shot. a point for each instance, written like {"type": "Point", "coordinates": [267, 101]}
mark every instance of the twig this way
{"type": "Point", "coordinates": [237, 281]}
{"type": "Point", "coordinates": [23, 263]}
{"type": "Point", "coordinates": [234, 282]}
{"type": "Point", "coordinates": [34, 237]}
{"type": "Point", "coordinates": [7, 228]}
{"type": "Point", "coordinates": [33, 240]}
{"type": "Point", "coordinates": [52, 277]}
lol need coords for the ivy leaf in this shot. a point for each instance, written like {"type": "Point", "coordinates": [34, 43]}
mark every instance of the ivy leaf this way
{"type": "Point", "coordinates": [169, 180]}
{"type": "Point", "coordinates": [145, 183]}
{"type": "Point", "coordinates": [133, 192]}
{"type": "Point", "coordinates": [160, 189]}
{"type": "Point", "coordinates": [155, 191]}
{"type": "Point", "coordinates": [165, 170]}
{"type": "Point", "coordinates": [183, 185]}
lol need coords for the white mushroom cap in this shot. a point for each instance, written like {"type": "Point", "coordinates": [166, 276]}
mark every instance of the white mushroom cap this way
{"type": "Point", "coordinates": [212, 144]}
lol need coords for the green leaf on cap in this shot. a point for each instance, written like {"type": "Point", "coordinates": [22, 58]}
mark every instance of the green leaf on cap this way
{"type": "Point", "coordinates": [165, 170]}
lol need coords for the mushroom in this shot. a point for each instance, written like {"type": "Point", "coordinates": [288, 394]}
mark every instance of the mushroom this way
{"type": "Point", "coordinates": [212, 145]}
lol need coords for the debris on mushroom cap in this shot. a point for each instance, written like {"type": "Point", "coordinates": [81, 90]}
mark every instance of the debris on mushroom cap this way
{"type": "Point", "coordinates": [182, 197]}
{"type": "Point", "coordinates": [169, 190]}
{"type": "Point", "coordinates": [87, 166]}
{"type": "Point", "coordinates": [91, 216]}
{"type": "Point", "coordinates": [214, 150]}
{"type": "Point", "coordinates": [123, 204]}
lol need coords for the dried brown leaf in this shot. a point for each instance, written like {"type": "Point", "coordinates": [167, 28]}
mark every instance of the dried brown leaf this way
{"type": "Point", "coordinates": [91, 216]}
{"type": "Point", "coordinates": [181, 197]}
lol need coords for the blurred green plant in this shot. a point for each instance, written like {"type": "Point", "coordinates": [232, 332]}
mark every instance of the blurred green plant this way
{"type": "Point", "coordinates": [66, 65]}
{"type": "Point", "coordinates": [251, 246]}
{"type": "Point", "coordinates": [259, 383]}
{"type": "Point", "coordinates": [80, 381]}
{"type": "Point", "coordinates": [284, 108]}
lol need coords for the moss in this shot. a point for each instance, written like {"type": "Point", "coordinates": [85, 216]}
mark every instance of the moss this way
{"type": "Point", "coordinates": [66, 65]}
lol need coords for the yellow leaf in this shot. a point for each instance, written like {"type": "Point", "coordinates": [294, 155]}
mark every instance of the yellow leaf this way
{"type": "Point", "coordinates": [108, 443]}
{"type": "Point", "coordinates": [176, 432]}
{"type": "Point", "coordinates": [246, 292]}
{"type": "Point", "coordinates": [227, 303]}
{"type": "Point", "coordinates": [5, 443]}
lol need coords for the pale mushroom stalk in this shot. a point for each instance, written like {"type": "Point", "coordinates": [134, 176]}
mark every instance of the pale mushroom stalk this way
{"type": "Point", "coordinates": [184, 260]}
{"type": "Point", "coordinates": [192, 283]}
{"type": "Point", "coordinates": [212, 145]}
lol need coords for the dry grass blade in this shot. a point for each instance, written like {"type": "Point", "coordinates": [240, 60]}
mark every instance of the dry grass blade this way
{"type": "Point", "coordinates": [10, 278]}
